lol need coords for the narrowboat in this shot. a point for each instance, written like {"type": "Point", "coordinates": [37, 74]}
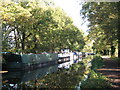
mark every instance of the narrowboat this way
{"type": "Point", "coordinates": [11, 61]}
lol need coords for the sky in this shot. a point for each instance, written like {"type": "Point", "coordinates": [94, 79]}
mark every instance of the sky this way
{"type": "Point", "coordinates": [72, 8]}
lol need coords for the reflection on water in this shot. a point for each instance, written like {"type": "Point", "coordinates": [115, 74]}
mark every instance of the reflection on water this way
{"type": "Point", "coordinates": [22, 76]}
{"type": "Point", "coordinates": [66, 75]}
{"type": "Point", "coordinates": [67, 65]}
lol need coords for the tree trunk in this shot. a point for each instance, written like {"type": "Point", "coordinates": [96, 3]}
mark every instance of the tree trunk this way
{"type": "Point", "coordinates": [119, 48]}
{"type": "Point", "coordinates": [23, 42]}
{"type": "Point", "coordinates": [119, 29]}
{"type": "Point", "coordinates": [16, 43]}
{"type": "Point", "coordinates": [119, 41]}
{"type": "Point", "coordinates": [112, 50]}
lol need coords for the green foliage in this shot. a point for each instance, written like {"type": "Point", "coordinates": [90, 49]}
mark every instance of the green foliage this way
{"type": "Point", "coordinates": [95, 80]}
{"type": "Point", "coordinates": [88, 44]}
{"type": "Point", "coordinates": [115, 58]}
{"type": "Point", "coordinates": [103, 18]}
{"type": "Point", "coordinates": [37, 26]}
{"type": "Point", "coordinates": [97, 62]}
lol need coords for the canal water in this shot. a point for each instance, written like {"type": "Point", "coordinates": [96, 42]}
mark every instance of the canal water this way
{"type": "Point", "coordinates": [65, 75]}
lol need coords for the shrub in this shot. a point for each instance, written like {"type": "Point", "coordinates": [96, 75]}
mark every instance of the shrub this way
{"type": "Point", "coordinates": [96, 80]}
{"type": "Point", "coordinates": [116, 59]}
{"type": "Point", "coordinates": [97, 62]}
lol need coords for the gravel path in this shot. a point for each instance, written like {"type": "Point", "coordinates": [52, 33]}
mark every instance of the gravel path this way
{"type": "Point", "coordinates": [112, 71]}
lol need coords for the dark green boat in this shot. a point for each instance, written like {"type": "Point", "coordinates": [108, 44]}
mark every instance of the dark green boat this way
{"type": "Point", "coordinates": [13, 61]}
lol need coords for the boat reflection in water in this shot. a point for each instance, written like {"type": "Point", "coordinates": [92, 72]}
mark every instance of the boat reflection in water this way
{"type": "Point", "coordinates": [21, 76]}
{"type": "Point", "coordinates": [49, 77]}
{"type": "Point", "coordinates": [67, 65]}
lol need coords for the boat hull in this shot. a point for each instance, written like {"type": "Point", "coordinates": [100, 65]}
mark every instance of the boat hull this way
{"type": "Point", "coordinates": [29, 61]}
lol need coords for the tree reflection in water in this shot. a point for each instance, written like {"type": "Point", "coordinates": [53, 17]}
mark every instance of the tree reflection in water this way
{"type": "Point", "coordinates": [63, 78]}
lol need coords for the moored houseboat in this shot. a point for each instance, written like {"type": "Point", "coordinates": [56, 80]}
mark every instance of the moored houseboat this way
{"type": "Point", "coordinates": [13, 61]}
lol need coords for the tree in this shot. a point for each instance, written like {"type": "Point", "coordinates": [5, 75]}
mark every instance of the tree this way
{"type": "Point", "coordinates": [16, 24]}
{"type": "Point", "coordinates": [34, 27]}
{"type": "Point", "coordinates": [103, 18]}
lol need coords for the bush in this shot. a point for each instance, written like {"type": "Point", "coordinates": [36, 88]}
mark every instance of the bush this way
{"type": "Point", "coordinates": [97, 62]}
{"type": "Point", "coordinates": [96, 80]}
{"type": "Point", "coordinates": [116, 59]}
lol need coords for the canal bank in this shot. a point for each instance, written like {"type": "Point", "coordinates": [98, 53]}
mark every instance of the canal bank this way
{"type": "Point", "coordinates": [97, 80]}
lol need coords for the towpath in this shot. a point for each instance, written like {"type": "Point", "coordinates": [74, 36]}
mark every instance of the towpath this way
{"type": "Point", "coordinates": [112, 71]}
